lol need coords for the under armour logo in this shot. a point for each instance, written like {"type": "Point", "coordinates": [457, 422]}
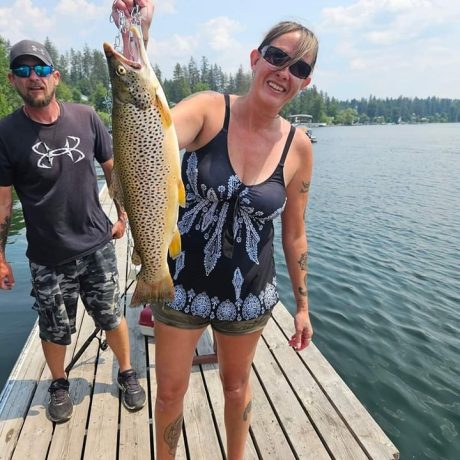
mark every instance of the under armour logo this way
{"type": "Point", "coordinates": [38, 50]}
{"type": "Point", "coordinates": [48, 155]}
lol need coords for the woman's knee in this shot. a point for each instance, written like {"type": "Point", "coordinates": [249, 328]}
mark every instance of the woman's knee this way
{"type": "Point", "coordinates": [170, 394]}
{"type": "Point", "coordinates": [235, 390]}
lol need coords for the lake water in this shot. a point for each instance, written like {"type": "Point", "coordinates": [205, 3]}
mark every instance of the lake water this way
{"type": "Point", "coordinates": [384, 278]}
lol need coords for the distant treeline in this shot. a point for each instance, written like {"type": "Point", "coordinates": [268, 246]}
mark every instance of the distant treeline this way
{"type": "Point", "coordinates": [85, 79]}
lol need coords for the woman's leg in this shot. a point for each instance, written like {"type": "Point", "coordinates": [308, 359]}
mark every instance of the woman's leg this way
{"type": "Point", "coordinates": [235, 354]}
{"type": "Point", "coordinates": [174, 351]}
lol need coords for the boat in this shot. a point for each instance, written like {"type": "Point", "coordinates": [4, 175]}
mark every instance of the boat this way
{"type": "Point", "coordinates": [303, 121]}
{"type": "Point", "coordinates": [313, 138]}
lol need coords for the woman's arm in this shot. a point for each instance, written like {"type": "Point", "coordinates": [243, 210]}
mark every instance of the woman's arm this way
{"type": "Point", "coordinates": [294, 238]}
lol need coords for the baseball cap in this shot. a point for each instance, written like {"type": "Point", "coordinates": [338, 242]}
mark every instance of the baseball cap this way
{"type": "Point", "coordinates": [30, 48]}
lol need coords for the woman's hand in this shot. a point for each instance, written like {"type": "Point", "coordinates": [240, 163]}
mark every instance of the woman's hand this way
{"type": "Point", "coordinates": [303, 331]}
{"type": "Point", "coordinates": [127, 6]}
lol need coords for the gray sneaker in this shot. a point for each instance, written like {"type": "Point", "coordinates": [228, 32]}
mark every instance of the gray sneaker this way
{"type": "Point", "coordinates": [133, 395]}
{"type": "Point", "coordinates": [60, 407]}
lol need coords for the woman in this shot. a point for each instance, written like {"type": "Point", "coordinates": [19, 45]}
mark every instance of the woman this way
{"type": "Point", "coordinates": [244, 165]}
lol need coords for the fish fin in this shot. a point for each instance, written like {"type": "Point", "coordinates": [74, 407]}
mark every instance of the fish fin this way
{"type": "Point", "coordinates": [115, 189]}
{"type": "Point", "coordinates": [175, 246]}
{"type": "Point", "coordinates": [135, 257]}
{"type": "Point", "coordinates": [162, 106]}
{"type": "Point", "coordinates": [181, 193]}
{"type": "Point", "coordinates": [157, 292]}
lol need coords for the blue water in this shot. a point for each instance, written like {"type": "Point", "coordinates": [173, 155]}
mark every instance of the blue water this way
{"type": "Point", "coordinates": [384, 282]}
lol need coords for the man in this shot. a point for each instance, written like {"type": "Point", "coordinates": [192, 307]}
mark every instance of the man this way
{"type": "Point", "coordinates": [47, 152]}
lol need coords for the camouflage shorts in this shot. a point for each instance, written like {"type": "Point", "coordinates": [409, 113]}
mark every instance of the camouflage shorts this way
{"type": "Point", "coordinates": [94, 278]}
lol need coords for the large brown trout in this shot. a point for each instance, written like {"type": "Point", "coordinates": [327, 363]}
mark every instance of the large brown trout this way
{"type": "Point", "coordinates": [146, 177]}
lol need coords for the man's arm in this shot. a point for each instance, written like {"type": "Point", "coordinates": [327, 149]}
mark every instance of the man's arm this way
{"type": "Point", "coordinates": [6, 204]}
{"type": "Point", "coordinates": [119, 226]}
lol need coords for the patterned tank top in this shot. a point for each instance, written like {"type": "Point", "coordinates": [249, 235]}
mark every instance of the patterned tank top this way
{"type": "Point", "coordinates": [226, 269]}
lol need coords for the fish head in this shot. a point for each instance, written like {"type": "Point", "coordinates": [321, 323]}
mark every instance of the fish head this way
{"type": "Point", "coordinates": [133, 81]}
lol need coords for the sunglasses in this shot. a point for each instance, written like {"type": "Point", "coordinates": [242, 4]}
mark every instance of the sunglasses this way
{"type": "Point", "coordinates": [278, 58]}
{"type": "Point", "coordinates": [24, 71]}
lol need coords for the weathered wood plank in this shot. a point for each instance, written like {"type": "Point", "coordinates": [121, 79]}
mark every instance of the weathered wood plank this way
{"type": "Point", "coordinates": [214, 387]}
{"type": "Point", "coordinates": [101, 442]}
{"type": "Point", "coordinates": [364, 428]}
{"type": "Point", "coordinates": [324, 417]}
{"type": "Point", "coordinates": [294, 421]}
{"type": "Point", "coordinates": [37, 429]}
{"type": "Point", "coordinates": [18, 393]}
{"type": "Point", "coordinates": [68, 438]}
{"type": "Point", "coordinates": [135, 434]}
{"type": "Point", "coordinates": [202, 439]}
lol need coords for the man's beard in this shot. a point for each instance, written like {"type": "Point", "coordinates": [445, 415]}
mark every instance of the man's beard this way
{"type": "Point", "coordinates": [33, 102]}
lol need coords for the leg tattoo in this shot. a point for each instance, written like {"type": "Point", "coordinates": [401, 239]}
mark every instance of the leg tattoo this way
{"type": "Point", "coordinates": [172, 434]}
{"type": "Point", "coordinates": [247, 410]}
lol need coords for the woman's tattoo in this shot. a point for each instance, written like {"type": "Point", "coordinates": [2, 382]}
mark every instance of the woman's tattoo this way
{"type": "Point", "coordinates": [305, 186]}
{"type": "Point", "coordinates": [172, 434]}
{"type": "Point", "coordinates": [247, 410]}
{"type": "Point", "coordinates": [303, 290]}
{"type": "Point", "coordinates": [303, 261]}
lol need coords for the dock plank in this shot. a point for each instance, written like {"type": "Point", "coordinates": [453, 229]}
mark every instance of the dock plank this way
{"type": "Point", "coordinates": [68, 438]}
{"type": "Point", "coordinates": [214, 388]}
{"type": "Point", "coordinates": [333, 431]}
{"type": "Point", "coordinates": [362, 426]}
{"type": "Point", "coordinates": [17, 395]}
{"type": "Point", "coordinates": [202, 439]}
{"type": "Point", "coordinates": [302, 435]}
{"type": "Point", "coordinates": [135, 428]}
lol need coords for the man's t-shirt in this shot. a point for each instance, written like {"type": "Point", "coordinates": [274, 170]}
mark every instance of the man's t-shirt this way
{"type": "Point", "coordinates": [52, 170]}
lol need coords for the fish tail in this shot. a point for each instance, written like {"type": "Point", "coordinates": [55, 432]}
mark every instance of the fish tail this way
{"type": "Point", "coordinates": [154, 292]}
{"type": "Point", "coordinates": [175, 246]}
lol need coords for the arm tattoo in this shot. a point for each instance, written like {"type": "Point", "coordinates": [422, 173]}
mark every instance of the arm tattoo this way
{"type": "Point", "coordinates": [303, 261]}
{"type": "Point", "coordinates": [305, 187]}
{"type": "Point", "coordinates": [4, 228]}
{"type": "Point", "coordinates": [247, 410]}
{"type": "Point", "coordinates": [172, 434]}
{"type": "Point", "coordinates": [303, 290]}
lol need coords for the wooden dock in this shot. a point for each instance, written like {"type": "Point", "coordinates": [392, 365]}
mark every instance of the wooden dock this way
{"type": "Point", "coordinates": [302, 409]}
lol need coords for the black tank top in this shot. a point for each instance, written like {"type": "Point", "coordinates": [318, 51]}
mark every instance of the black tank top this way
{"type": "Point", "coordinates": [226, 269]}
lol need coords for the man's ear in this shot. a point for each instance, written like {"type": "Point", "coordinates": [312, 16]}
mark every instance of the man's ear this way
{"type": "Point", "coordinates": [57, 77]}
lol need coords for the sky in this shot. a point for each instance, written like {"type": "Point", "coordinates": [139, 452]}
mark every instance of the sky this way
{"type": "Point", "coordinates": [383, 48]}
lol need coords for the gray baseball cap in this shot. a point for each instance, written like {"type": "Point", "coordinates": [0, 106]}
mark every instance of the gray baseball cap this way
{"type": "Point", "coordinates": [30, 48]}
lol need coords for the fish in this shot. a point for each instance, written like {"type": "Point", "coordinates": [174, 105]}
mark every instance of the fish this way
{"type": "Point", "coordinates": [146, 177]}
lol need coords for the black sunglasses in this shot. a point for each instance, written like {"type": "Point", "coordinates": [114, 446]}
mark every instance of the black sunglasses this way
{"type": "Point", "coordinates": [24, 71]}
{"type": "Point", "coordinates": [279, 58]}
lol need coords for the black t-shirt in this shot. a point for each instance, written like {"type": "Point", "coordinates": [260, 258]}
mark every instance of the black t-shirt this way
{"type": "Point", "coordinates": [52, 170]}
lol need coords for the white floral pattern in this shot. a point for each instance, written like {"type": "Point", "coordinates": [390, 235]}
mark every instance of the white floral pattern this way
{"type": "Point", "coordinates": [225, 310]}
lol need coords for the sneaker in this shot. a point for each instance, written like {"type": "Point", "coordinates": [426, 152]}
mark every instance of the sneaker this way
{"type": "Point", "coordinates": [133, 395]}
{"type": "Point", "coordinates": [60, 405]}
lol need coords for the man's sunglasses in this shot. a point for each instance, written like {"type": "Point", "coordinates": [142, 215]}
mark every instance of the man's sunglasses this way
{"type": "Point", "coordinates": [278, 58]}
{"type": "Point", "coordinates": [24, 71]}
